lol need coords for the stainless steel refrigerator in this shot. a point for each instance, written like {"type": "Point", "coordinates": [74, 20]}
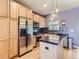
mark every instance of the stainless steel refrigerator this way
{"type": "Point", "coordinates": [24, 36]}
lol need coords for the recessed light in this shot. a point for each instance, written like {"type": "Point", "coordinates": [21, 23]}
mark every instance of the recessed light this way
{"type": "Point", "coordinates": [45, 5]}
{"type": "Point", "coordinates": [57, 10]}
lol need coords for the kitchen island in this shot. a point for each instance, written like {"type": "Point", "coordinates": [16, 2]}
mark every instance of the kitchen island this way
{"type": "Point", "coordinates": [50, 49]}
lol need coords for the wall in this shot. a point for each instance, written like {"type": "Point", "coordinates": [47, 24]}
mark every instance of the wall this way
{"type": "Point", "coordinates": [72, 20]}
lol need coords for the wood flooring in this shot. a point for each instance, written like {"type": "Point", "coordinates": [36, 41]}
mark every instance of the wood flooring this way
{"type": "Point", "coordinates": [68, 54]}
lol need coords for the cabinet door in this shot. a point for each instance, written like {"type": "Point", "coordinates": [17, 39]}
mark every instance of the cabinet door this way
{"type": "Point", "coordinates": [13, 10]}
{"type": "Point", "coordinates": [22, 11]}
{"type": "Point", "coordinates": [3, 29]}
{"type": "Point", "coordinates": [29, 13]}
{"type": "Point", "coordinates": [3, 39]}
{"type": "Point", "coordinates": [13, 47]}
{"type": "Point", "coordinates": [36, 17]}
{"type": "Point", "coordinates": [42, 21]}
{"type": "Point", "coordinates": [3, 48]}
{"type": "Point", "coordinates": [34, 41]}
{"type": "Point", "coordinates": [4, 8]}
{"type": "Point", "coordinates": [13, 28]}
{"type": "Point", "coordinates": [13, 38]}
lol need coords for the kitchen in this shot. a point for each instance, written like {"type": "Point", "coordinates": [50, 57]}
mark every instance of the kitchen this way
{"type": "Point", "coordinates": [24, 32]}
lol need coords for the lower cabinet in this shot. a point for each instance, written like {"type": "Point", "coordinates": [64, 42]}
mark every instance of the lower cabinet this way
{"type": "Point", "coordinates": [13, 42]}
{"type": "Point", "coordinates": [51, 51]}
{"type": "Point", "coordinates": [3, 38]}
{"type": "Point", "coordinates": [34, 41]}
{"type": "Point", "coordinates": [3, 48]}
{"type": "Point", "coordinates": [13, 47]}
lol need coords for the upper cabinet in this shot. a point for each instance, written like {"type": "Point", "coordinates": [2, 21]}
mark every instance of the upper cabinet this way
{"type": "Point", "coordinates": [22, 11]}
{"type": "Point", "coordinates": [36, 17]}
{"type": "Point", "coordinates": [42, 21]}
{"type": "Point", "coordinates": [29, 13]}
{"type": "Point", "coordinates": [13, 10]}
{"type": "Point", "coordinates": [4, 5]}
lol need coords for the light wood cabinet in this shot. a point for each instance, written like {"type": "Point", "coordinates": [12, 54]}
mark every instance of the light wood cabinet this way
{"type": "Point", "coordinates": [42, 21]}
{"type": "Point", "coordinates": [29, 13]}
{"type": "Point", "coordinates": [13, 38]}
{"type": "Point", "coordinates": [4, 4]}
{"type": "Point", "coordinates": [4, 24]}
{"type": "Point", "coordinates": [13, 28]}
{"type": "Point", "coordinates": [13, 47]}
{"type": "Point", "coordinates": [3, 38]}
{"type": "Point", "coordinates": [3, 48]}
{"type": "Point", "coordinates": [36, 17]}
{"type": "Point", "coordinates": [22, 10]}
{"type": "Point", "coordinates": [13, 10]}
{"type": "Point", "coordinates": [34, 41]}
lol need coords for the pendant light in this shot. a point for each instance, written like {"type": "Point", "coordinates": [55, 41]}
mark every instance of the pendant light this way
{"type": "Point", "coordinates": [54, 10]}
{"type": "Point", "coordinates": [44, 4]}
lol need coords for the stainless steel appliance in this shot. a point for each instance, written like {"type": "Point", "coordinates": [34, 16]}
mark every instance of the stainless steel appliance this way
{"type": "Point", "coordinates": [24, 37]}
{"type": "Point", "coordinates": [36, 28]}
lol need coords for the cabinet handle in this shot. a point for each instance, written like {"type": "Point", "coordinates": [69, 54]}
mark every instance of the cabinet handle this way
{"type": "Point", "coordinates": [47, 48]}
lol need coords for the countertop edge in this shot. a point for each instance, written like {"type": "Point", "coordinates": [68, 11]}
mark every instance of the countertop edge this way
{"type": "Point", "coordinates": [49, 42]}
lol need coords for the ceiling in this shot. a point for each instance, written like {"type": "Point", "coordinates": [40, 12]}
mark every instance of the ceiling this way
{"type": "Point", "coordinates": [37, 5]}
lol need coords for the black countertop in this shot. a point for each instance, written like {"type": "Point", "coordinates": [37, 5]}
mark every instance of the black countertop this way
{"type": "Point", "coordinates": [60, 33]}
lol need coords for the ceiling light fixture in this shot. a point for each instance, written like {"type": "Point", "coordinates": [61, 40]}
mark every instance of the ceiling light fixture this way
{"type": "Point", "coordinates": [45, 5]}
{"type": "Point", "coordinates": [55, 9]}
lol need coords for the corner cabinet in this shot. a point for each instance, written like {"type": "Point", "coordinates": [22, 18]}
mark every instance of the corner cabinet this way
{"type": "Point", "coordinates": [4, 38]}
{"type": "Point", "coordinates": [4, 7]}
{"type": "Point", "coordinates": [13, 10]}
{"type": "Point", "coordinates": [13, 48]}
